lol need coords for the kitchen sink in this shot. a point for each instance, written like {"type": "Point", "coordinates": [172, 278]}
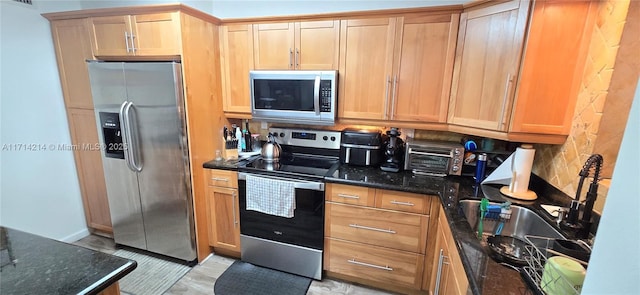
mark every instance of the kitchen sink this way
{"type": "Point", "coordinates": [522, 222]}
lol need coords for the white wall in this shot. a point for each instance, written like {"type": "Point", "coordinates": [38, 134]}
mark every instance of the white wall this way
{"type": "Point", "coordinates": [614, 267]}
{"type": "Point", "coordinates": [39, 191]}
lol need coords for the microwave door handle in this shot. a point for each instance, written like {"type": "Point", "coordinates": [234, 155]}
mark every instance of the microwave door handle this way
{"type": "Point", "coordinates": [316, 95]}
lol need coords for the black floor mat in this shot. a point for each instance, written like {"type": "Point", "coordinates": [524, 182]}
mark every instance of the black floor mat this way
{"type": "Point", "coordinates": [246, 278]}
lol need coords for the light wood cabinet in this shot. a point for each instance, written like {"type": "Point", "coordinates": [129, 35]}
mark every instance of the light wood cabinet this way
{"type": "Point", "coordinates": [311, 45]}
{"type": "Point", "coordinates": [370, 244]}
{"type": "Point", "coordinates": [522, 84]}
{"type": "Point", "coordinates": [486, 67]}
{"type": "Point", "coordinates": [223, 213]}
{"type": "Point", "coordinates": [72, 46]}
{"type": "Point", "coordinates": [448, 275]}
{"type": "Point", "coordinates": [366, 59]}
{"type": "Point", "coordinates": [397, 69]}
{"type": "Point", "coordinates": [136, 35]}
{"type": "Point", "coordinates": [236, 50]}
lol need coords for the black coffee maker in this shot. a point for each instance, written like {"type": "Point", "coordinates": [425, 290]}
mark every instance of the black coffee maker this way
{"type": "Point", "coordinates": [393, 151]}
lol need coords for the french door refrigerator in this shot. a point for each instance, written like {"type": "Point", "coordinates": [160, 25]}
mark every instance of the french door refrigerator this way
{"type": "Point", "coordinates": [141, 124]}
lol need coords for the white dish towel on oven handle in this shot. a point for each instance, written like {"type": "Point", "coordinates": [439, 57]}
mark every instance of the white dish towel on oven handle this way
{"type": "Point", "coordinates": [271, 196]}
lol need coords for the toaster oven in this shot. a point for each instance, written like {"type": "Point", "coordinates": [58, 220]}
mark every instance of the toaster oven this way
{"type": "Point", "coordinates": [436, 158]}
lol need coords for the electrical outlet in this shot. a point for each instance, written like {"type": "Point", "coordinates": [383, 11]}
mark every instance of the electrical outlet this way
{"type": "Point", "coordinates": [263, 125]}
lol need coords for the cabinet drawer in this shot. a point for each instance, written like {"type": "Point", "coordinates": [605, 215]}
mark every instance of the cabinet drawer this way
{"type": "Point", "coordinates": [349, 194]}
{"type": "Point", "coordinates": [224, 178]}
{"type": "Point", "coordinates": [374, 263]}
{"type": "Point", "coordinates": [396, 230]}
{"type": "Point", "coordinates": [403, 201]}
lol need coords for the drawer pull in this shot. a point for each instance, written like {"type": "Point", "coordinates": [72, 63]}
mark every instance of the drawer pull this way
{"type": "Point", "coordinates": [348, 196]}
{"type": "Point", "coordinates": [402, 203]}
{"type": "Point", "coordinates": [389, 231]}
{"type": "Point", "coordinates": [387, 268]}
{"type": "Point", "coordinates": [220, 179]}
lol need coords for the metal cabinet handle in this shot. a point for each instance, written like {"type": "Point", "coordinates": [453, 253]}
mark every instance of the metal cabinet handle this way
{"type": "Point", "coordinates": [126, 41]}
{"type": "Point", "coordinates": [386, 97]}
{"type": "Point", "coordinates": [504, 100]}
{"type": "Point", "coordinates": [393, 96]}
{"type": "Point", "coordinates": [348, 196]}
{"type": "Point", "coordinates": [389, 231]}
{"type": "Point", "coordinates": [297, 58]}
{"type": "Point", "coordinates": [235, 220]}
{"type": "Point", "coordinates": [220, 179]}
{"type": "Point", "coordinates": [402, 203]}
{"type": "Point", "coordinates": [386, 267]}
{"type": "Point", "coordinates": [441, 262]}
{"type": "Point", "coordinates": [290, 58]}
{"type": "Point", "coordinates": [133, 44]}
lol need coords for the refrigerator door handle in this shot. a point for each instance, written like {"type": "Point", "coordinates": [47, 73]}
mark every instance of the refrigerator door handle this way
{"type": "Point", "coordinates": [125, 135]}
{"type": "Point", "coordinates": [132, 147]}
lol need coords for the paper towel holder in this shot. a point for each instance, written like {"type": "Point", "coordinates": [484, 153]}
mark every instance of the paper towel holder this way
{"type": "Point", "coordinates": [508, 191]}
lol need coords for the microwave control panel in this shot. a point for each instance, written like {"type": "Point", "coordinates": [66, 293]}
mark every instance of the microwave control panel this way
{"type": "Point", "coordinates": [325, 96]}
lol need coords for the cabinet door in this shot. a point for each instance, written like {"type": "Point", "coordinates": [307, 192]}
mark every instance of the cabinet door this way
{"type": "Point", "coordinates": [487, 58]}
{"type": "Point", "coordinates": [317, 45]}
{"type": "Point", "coordinates": [366, 56]}
{"type": "Point", "coordinates": [84, 136]}
{"type": "Point", "coordinates": [73, 48]}
{"type": "Point", "coordinates": [425, 49]}
{"type": "Point", "coordinates": [236, 60]}
{"type": "Point", "coordinates": [552, 67]}
{"type": "Point", "coordinates": [274, 46]}
{"type": "Point", "coordinates": [223, 214]}
{"type": "Point", "coordinates": [111, 35]}
{"type": "Point", "coordinates": [156, 34]}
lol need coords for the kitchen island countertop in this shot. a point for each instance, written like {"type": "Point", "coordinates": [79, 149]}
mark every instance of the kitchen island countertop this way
{"type": "Point", "coordinates": [33, 264]}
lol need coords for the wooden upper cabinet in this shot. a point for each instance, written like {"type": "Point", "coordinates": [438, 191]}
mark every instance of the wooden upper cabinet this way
{"type": "Point", "coordinates": [366, 57]}
{"type": "Point", "coordinates": [309, 45]}
{"type": "Point", "coordinates": [552, 66]}
{"type": "Point", "coordinates": [136, 35]}
{"type": "Point", "coordinates": [486, 65]}
{"type": "Point", "coordinates": [236, 50]}
{"type": "Point", "coordinates": [423, 65]}
{"type": "Point", "coordinates": [73, 48]}
{"type": "Point", "coordinates": [156, 34]}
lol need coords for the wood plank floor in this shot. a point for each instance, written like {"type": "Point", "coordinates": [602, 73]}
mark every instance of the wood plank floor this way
{"type": "Point", "coordinates": [201, 278]}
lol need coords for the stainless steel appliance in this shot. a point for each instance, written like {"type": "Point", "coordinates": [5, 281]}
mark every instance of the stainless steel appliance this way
{"type": "Point", "coordinates": [361, 147]}
{"type": "Point", "coordinates": [294, 244]}
{"type": "Point", "coordinates": [299, 97]}
{"type": "Point", "coordinates": [438, 158]}
{"type": "Point", "coordinates": [140, 116]}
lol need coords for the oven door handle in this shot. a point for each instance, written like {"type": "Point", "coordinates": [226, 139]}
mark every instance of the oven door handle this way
{"type": "Point", "coordinates": [301, 184]}
{"type": "Point", "coordinates": [415, 152]}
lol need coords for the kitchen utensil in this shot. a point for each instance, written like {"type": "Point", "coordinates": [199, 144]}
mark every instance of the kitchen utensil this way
{"type": "Point", "coordinates": [507, 249]}
{"type": "Point", "coordinates": [484, 203]}
{"type": "Point", "coordinates": [573, 249]}
{"type": "Point", "coordinates": [271, 150]}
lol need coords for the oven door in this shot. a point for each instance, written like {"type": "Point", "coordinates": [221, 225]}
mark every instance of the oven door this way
{"type": "Point", "coordinates": [291, 96]}
{"type": "Point", "coordinates": [305, 229]}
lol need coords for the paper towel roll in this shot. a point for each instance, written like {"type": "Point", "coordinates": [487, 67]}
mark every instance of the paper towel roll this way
{"type": "Point", "coordinates": [522, 164]}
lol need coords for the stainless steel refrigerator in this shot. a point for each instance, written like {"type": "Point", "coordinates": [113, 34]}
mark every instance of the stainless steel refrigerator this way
{"type": "Point", "coordinates": [141, 124]}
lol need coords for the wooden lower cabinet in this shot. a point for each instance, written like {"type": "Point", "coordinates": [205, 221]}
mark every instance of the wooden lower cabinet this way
{"type": "Point", "coordinates": [448, 275]}
{"type": "Point", "coordinates": [373, 240]}
{"type": "Point", "coordinates": [223, 212]}
{"type": "Point", "coordinates": [374, 263]}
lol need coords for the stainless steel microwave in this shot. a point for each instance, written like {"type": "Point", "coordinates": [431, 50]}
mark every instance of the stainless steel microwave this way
{"type": "Point", "coordinates": [298, 97]}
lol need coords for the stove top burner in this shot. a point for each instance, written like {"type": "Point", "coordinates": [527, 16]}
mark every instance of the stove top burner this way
{"type": "Point", "coordinates": [301, 165]}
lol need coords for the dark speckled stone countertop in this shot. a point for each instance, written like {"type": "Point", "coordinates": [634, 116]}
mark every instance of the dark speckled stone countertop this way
{"type": "Point", "coordinates": [484, 274]}
{"type": "Point", "coordinates": [46, 266]}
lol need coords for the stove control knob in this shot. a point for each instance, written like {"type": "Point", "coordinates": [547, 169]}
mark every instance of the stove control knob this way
{"type": "Point", "coordinates": [325, 138]}
{"type": "Point", "coordinates": [333, 138]}
{"type": "Point", "coordinates": [455, 168]}
{"type": "Point", "coordinates": [282, 134]}
{"type": "Point", "coordinates": [275, 134]}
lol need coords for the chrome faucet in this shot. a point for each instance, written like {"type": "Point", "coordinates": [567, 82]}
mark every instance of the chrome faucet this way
{"type": "Point", "coordinates": [594, 162]}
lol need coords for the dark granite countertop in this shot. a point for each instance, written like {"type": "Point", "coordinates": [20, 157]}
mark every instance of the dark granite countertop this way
{"type": "Point", "coordinates": [227, 164]}
{"type": "Point", "coordinates": [46, 266]}
{"type": "Point", "coordinates": [484, 274]}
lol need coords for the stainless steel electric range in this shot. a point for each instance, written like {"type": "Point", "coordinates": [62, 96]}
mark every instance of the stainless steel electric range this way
{"type": "Point", "coordinates": [292, 244]}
